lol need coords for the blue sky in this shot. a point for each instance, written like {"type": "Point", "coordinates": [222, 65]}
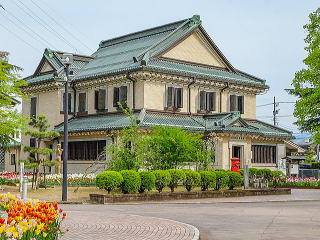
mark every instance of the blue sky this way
{"type": "Point", "coordinates": [261, 37]}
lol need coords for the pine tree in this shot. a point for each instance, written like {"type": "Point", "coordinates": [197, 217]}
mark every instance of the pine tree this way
{"type": "Point", "coordinates": [39, 154]}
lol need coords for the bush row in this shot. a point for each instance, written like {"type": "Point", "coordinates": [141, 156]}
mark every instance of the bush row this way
{"type": "Point", "coordinates": [130, 181]}
{"type": "Point", "coordinates": [264, 173]}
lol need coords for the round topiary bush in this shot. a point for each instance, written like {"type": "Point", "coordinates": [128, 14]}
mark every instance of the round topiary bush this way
{"type": "Point", "coordinates": [264, 173]}
{"type": "Point", "coordinates": [163, 178]}
{"type": "Point", "coordinates": [192, 179]}
{"type": "Point", "coordinates": [176, 177]}
{"type": "Point", "coordinates": [221, 178]}
{"type": "Point", "coordinates": [131, 181]}
{"type": "Point", "coordinates": [208, 180]}
{"type": "Point", "coordinates": [235, 180]}
{"type": "Point", "coordinates": [109, 180]}
{"type": "Point", "coordinates": [148, 181]}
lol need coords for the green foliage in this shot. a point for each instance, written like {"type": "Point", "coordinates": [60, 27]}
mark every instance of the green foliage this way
{"type": "Point", "coordinates": [176, 177]}
{"type": "Point", "coordinates": [148, 181]}
{"type": "Point", "coordinates": [310, 154]}
{"type": "Point", "coordinates": [315, 165]}
{"type": "Point", "coordinates": [222, 179]}
{"type": "Point", "coordinates": [3, 181]}
{"type": "Point", "coordinates": [131, 181]}
{"type": "Point", "coordinates": [192, 179]}
{"type": "Point", "coordinates": [11, 121]}
{"type": "Point", "coordinates": [39, 155]}
{"type": "Point", "coordinates": [235, 180]}
{"type": "Point", "coordinates": [170, 147]}
{"type": "Point", "coordinates": [306, 83]}
{"type": "Point", "coordinates": [264, 173]}
{"type": "Point", "coordinates": [252, 172]}
{"type": "Point", "coordinates": [109, 180]}
{"type": "Point", "coordinates": [208, 180]}
{"type": "Point", "coordinates": [163, 178]}
{"type": "Point", "coordinates": [277, 177]}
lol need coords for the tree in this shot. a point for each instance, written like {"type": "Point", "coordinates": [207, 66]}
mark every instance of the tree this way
{"type": "Point", "coordinates": [10, 89]}
{"type": "Point", "coordinates": [307, 81]}
{"type": "Point", "coordinates": [38, 153]}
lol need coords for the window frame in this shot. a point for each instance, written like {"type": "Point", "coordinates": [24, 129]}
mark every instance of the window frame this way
{"type": "Point", "coordinates": [86, 102]}
{"type": "Point", "coordinates": [96, 99]}
{"type": "Point", "coordinates": [36, 107]}
{"type": "Point", "coordinates": [123, 103]}
{"type": "Point", "coordinates": [174, 99]}
{"type": "Point", "coordinates": [71, 92]}
{"type": "Point", "coordinates": [237, 101]}
{"type": "Point", "coordinates": [207, 93]}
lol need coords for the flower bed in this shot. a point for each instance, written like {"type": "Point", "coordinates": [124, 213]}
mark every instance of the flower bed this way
{"type": "Point", "coordinates": [14, 177]}
{"type": "Point", "coordinates": [29, 220]}
{"type": "Point", "coordinates": [73, 180]}
{"type": "Point", "coordinates": [300, 182]}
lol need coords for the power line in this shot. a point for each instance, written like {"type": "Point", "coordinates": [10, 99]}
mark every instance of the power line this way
{"type": "Point", "coordinates": [42, 22]}
{"type": "Point", "coordinates": [26, 26]}
{"type": "Point", "coordinates": [73, 26]}
{"type": "Point", "coordinates": [42, 10]}
{"type": "Point", "coordinates": [17, 36]}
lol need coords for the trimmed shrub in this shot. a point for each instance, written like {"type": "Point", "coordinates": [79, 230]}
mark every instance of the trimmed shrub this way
{"type": "Point", "coordinates": [176, 177]}
{"type": "Point", "coordinates": [192, 179]}
{"type": "Point", "coordinates": [235, 180]}
{"type": "Point", "coordinates": [264, 173]}
{"type": "Point", "coordinates": [148, 181]}
{"type": "Point", "coordinates": [242, 172]}
{"type": "Point", "coordinates": [131, 181]}
{"type": "Point", "coordinates": [252, 172]}
{"type": "Point", "coordinates": [207, 180]}
{"type": "Point", "coordinates": [109, 180]}
{"type": "Point", "coordinates": [277, 177]}
{"type": "Point", "coordinates": [222, 179]}
{"type": "Point", "coordinates": [163, 178]}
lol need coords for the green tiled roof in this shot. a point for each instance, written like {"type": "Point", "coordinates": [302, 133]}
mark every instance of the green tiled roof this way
{"type": "Point", "coordinates": [139, 50]}
{"type": "Point", "coordinates": [221, 122]}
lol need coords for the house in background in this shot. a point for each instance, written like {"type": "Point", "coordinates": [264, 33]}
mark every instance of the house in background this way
{"type": "Point", "coordinates": [171, 75]}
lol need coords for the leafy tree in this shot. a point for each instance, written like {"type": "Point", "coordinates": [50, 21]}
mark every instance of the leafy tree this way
{"type": "Point", "coordinates": [39, 154]}
{"type": "Point", "coordinates": [310, 154]}
{"type": "Point", "coordinates": [170, 147]}
{"type": "Point", "coordinates": [10, 83]}
{"type": "Point", "coordinates": [307, 81]}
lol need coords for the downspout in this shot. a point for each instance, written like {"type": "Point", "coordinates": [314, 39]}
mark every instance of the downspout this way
{"type": "Point", "coordinates": [189, 96]}
{"type": "Point", "coordinates": [133, 89]}
{"type": "Point", "coordinates": [224, 88]}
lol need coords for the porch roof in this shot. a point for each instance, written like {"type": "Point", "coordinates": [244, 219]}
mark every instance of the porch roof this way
{"type": "Point", "coordinates": [221, 122]}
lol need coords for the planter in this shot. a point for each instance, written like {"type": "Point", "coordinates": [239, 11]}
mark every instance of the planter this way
{"type": "Point", "coordinates": [116, 198]}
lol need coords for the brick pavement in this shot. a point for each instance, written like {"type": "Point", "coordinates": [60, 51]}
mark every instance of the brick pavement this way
{"type": "Point", "coordinates": [106, 226]}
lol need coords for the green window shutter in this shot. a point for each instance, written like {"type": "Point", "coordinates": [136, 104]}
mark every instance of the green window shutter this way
{"type": "Point", "coordinates": [96, 99]}
{"type": "Point", "coordinates": [202, 100]}
{"type": "Point", "coordinates": [69, 103]}
{"type": "Point", "coordinates": [241, 104]}
{"type": "Point", "coordinates": [82, 102]}
{"type": "Point", "coordinates": [116, 96]}
{"type": "Point", "coordinates": [102, 99]}
{"type": "Point", "coordinates": [233, 103]}
{"type": "Point", "coordinates": [33, 107]}
{"type": "Point", "coordinates": [170, 97]}
{"type": "Point", "coordinates": [211, 101]}
{"type": "Point", "coordinates": [124, 96]}
{"type": "Point", "coordinates": [178, 96]}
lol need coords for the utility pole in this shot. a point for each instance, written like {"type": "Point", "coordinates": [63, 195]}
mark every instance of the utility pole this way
{"type": "Point", "coordinates": [275, 111]}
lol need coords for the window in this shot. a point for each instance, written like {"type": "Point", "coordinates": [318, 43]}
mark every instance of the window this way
{"type": "Point", "coordinates": [82, 104]}
{"type": "Point", "coordinates": [13, 159]}
{"type": "Point", "coordinates": [174, 97]}
{"type": "Point", "coordinates": [100, 99]}
{"type": "Point", "coordinates": [207, 101]}
{"type": "Point", "coordinates": [120, 95]}
{"type": "Point", "coordinates": [70, 102]}
{"type": "Point", "coordinates": [264, 154]}
{"type": "Point", "coordinates": [33, 107]}
{"type": "Point", "coordinates": [32, 143]}
{"type": "Point", "coordinates": [85, 150]}
{"type": "Point", "coordinates": [237, 103]}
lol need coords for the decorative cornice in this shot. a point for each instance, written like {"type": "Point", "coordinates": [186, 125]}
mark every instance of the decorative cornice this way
{"type": "Point", "coordinates": [43, 87]}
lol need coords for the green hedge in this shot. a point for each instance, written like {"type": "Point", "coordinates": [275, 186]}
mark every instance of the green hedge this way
{"type": "Point", "coordinates": [192, 179]}
{"type": "Point", "coordinates": [222, 179]}
{"type": "Point", "coordinates": [131, 181]}
{"type": "Point", "coordinates": [148, 181]}
{"type": "Point", "coordinates": [109, 180]}
{"type": "Point", "coordinates": [315, 165]}
{"type": "Point", "coordinates": [177, 176]}
{"type": "Point", "coordinates": [208, 179]}
{"type": "Point", "coordinates": [235, 179]}
{"type": "Point", "coordinates": [163, 178]}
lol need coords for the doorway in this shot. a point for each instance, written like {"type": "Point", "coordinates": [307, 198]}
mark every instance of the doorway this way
{"type": "Point", "coordinates": [237, 153]}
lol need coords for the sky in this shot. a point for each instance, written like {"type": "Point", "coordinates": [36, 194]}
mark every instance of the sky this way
{"type": "Point", "coordinates": [262, 37]}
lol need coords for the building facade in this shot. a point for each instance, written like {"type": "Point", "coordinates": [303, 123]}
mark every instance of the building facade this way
{"type": "Point", "coordinates": [172, 75]}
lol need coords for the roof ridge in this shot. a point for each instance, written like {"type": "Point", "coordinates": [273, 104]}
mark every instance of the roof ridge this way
{"type": "Point", "coordinates": [131, 36]}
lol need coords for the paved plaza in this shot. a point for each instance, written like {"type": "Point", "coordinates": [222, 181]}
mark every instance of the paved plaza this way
{"type": "Point", "coordinates": [262, 217]}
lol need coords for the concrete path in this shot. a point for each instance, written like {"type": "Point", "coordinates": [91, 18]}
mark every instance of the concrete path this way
{"type": "Point", "coordinates": [262, 217]}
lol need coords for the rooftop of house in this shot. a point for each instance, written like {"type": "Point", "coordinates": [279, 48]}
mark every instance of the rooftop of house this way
{"type": "Point", "coordinates": [142, 50]}
{"type": "Point", "coordinates": [220, 122]}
